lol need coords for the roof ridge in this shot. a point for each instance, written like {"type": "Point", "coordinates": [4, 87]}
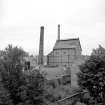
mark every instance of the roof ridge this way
{"type": "Point", "coordinates": [68, 39]}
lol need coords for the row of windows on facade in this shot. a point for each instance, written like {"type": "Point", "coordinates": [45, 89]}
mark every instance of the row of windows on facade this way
{"type": "Point", "coordinates": [65, 53]}
{"type": "Point", "coordinates": [70, 52]}
{"type": "Point", "coordinates": [60, 64]}
{"type": "Point", "coordinates": [62, 57]}
{"type": "Point", "coordinates": [60, 60]}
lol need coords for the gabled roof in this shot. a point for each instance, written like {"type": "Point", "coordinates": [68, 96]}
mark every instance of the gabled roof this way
{"type": "Point", "coordinates": [67, 43]}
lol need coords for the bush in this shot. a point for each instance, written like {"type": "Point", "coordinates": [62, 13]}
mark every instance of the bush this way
{"type": "Point", "coordinates": [92, 75]}
{"type": "Point", "coordinates": [18, 87]}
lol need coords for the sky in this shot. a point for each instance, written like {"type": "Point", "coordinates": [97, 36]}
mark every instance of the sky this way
{"type": "Point", "coordinates": [20, 22]}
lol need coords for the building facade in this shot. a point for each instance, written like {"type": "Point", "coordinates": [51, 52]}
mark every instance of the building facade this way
{"type": "Point", "coordinates": [65, 52]}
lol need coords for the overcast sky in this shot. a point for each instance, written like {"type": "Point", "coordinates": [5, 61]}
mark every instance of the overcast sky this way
{"type": "Point", "coordinates": [20, 22]}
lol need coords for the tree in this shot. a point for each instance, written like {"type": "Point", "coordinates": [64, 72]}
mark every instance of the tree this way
{"type": "Point", "coordinates": [11, 71]}
{"type": "Point", "coordinates": [18, 87]}
{"type": "Point", "coordinates": [33, 92]}
{"type": "Point", "coordinates": [92, 75]}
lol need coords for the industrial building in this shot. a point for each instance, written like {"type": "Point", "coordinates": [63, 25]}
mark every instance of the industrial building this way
{"type": "Point", "coordinates": [65, 52]}
{"type": "Point", "coordinates": [63, 61]}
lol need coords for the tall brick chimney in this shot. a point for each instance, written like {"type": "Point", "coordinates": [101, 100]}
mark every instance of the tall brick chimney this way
{"type": "Point", "coordinates": [58, 31]}
{"type": "Point", "coordinates": [41, 46]}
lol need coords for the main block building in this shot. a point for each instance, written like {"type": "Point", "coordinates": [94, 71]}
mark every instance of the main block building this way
{"type": "Point", "coordinates": [65, 52]}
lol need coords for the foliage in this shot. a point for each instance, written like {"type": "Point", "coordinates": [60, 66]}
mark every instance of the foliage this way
{"type": "Point", "coordinates": [16, 86]}
{"type": "Point", "coordinates": [92, 75]}
{"type": "Point", "coordinates": [33, 92]}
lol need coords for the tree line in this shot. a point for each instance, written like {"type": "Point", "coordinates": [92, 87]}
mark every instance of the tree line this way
{"type": "Point", "coordinates": [19, 88]}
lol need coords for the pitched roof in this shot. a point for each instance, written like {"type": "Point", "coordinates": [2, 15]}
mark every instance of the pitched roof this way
{"type": "Point", "coordinates": [67, 43]}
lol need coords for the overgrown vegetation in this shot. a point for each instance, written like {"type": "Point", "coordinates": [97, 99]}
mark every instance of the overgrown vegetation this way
{"type": "Point", "coordinates": [30, 88]}
{"type": "Point", "coordinates": [17, 87]}
{"type": "Point", "coordinates": [92, 77]}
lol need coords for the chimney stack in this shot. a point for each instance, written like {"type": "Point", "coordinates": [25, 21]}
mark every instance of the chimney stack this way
{"type": "Point", "coordinates": [58, 31]}
{"type": "Point", "coordinates": [41, 46]}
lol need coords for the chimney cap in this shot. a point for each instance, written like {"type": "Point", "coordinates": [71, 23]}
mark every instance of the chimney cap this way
{"type": "Point", "coordinates": [42, 27]}
{"type": "Point", "coordinates": [58, 25]}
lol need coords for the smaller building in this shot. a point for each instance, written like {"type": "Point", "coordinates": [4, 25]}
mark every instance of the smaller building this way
{"type": "Point", "coordinates": [56, 75]}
